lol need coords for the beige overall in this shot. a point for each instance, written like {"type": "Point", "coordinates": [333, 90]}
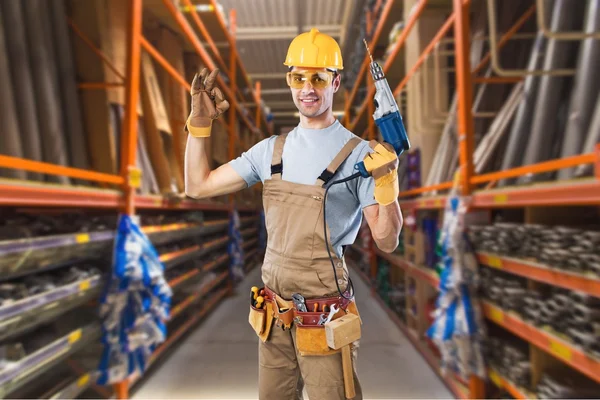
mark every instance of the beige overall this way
{"type": "Point", "coordinates": [296, 261]}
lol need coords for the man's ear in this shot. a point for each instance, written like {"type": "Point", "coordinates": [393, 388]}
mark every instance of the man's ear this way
{"type": "Point", "coordinates": [336, 83]}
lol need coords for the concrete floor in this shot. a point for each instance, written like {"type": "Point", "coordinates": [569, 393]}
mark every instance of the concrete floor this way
{"type": "Point", "coordinates": [218, 360]}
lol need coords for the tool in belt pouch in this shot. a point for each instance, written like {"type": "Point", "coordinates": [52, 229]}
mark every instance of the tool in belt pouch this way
{"type": "Point", "coordinates": [261, 313]}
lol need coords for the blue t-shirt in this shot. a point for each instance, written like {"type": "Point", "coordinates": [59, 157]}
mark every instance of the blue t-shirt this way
{"type": "Point", "coordinates": [306, 153]}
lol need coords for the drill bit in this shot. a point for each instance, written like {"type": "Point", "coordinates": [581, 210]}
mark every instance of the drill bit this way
{"type": "Point", "coordinates": [368, 51]}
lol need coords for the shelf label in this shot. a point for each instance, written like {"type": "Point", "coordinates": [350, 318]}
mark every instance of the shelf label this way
{"type": "Point", "coordinates": [494, 377]}
{"type": "Point", "coordinates": [81, 382]}
{"type": "Point", "coordinates": [561, 350]}
{"type": "Point", "coordinates": [157, 201]}
{"type": "Point", "coordinates": [135, 178]}
{"type": "Point", "coordinates": [82, 238]}
{"type": "Point", "coordinates": [500, 198]}
{"type": "Point", "coordinates": [497, 315]}
{"type": "Point", "coordinates": [422, 203]}
{"type": "Point", "coordinates": [75, 336]}
{"type": "Point", "coordinates": [85, 285]}
{"type": "Point", "coordinates": [494, 262]}
{"type": "Point", "coordinates": [438, 203]}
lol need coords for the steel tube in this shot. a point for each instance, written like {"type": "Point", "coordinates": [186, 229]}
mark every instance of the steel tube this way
{"type": "Point", "coordinates": [544, 129]}
{"type": "Point", "coordinates": [572, 35]}
{"type": "Point", "coordinates": [494, 49]}
{"type": "Point", "coordinates": [592, 141]}
{"type": "Point", "coordinates": [511, 33]}
{"type": "Point", "coordinates": [585, 90]}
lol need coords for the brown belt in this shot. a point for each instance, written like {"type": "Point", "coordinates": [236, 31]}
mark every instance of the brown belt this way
{"type": "Point", "coordinates": [285, 311]}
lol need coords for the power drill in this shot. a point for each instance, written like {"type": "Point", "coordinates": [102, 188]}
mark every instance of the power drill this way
{"type": "Point", "coordinates": [388, 119]}
{"type": "Point", "coordinates": [386, 115]}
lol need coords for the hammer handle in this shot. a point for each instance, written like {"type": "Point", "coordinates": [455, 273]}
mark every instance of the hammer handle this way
{"type": "Point", "coordinates": [348, 372]}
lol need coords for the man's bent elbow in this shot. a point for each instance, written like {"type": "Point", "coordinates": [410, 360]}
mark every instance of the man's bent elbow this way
{"type": "Point", "coordinates": [193, 191]}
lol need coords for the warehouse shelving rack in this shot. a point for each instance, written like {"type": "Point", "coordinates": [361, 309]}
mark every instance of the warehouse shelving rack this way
{"type": "Point", "coordinates": [118, 192]}
{"type": "Point", "coordinates": [583, 192]}
{"type": "Point", "coordinates": [13, 192]}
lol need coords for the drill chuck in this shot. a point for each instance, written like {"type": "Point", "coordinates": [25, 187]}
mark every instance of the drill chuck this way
{"type": "Point", "coordinates": [377, 72]}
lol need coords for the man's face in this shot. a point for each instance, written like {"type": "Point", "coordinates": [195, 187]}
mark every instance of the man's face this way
{"type": "Point", "coordinates": [310, 101]}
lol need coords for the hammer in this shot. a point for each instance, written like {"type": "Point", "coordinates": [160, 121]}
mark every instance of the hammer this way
{"type": "Point", "coordinates": [340, 334]}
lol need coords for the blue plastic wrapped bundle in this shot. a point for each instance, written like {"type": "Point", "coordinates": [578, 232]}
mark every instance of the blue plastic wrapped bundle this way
{"type": "Point", "coordinates": [458, 329]}
{"type": "Point", "coordinates": [134, 307]}
{"type": "Point", "coordinates": [235, 249]}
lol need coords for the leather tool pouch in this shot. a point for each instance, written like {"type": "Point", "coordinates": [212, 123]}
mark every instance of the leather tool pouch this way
{"type": "Point", "coordinates": [256, 318]}
{"type": "Point", "coordinates": [310, 337]}
{"type": "Point", "coordinates": [261, 320]}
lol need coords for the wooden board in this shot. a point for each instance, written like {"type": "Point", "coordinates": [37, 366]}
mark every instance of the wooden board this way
{"type": "Point", "coordinates": [90, 17]}
{"type": "Point", "coordinates": [175, 96]}
{"type": "Point", "coordinates": [114, 44]}
{"type": "Point", "coordinates": [158, 142]}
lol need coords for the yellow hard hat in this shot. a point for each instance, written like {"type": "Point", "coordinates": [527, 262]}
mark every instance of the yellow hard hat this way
{"type": "Point", "coordinates": [314, 49]}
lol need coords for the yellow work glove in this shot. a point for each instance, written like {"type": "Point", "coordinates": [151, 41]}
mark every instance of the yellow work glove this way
{"type": "Point", "coordinates": [208, 104]}
{"type": "Point", "coordinates": [382, 164]}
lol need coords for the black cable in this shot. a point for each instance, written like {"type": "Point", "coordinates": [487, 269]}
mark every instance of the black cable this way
{"type": "Point", "coordinates": [350, 285]}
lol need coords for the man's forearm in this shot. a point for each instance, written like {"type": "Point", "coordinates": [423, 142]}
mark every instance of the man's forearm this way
{"type": "Point", "coordinates": [387, 227]}
{"type": "Point", "coordinates": [197, 168]}
{"type": "Point", "coordinates": [200, 181]}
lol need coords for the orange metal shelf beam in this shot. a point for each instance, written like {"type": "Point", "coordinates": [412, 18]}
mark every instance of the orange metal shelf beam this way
{"type": "Point", "coordinates": [180, 332]}
{"type": "Point", "coordinates": [16, 194]}
{"type": "Point", "coordinates": [165, 64]}
{"type": "Point", "coordinates": [53, 169]}
{"type": "Point", "coordinates": [504, 383]}
{"type": "Point", "coordinates": [365, 64]}
{"type": "Point", "coordinates": [206, 59]}
{"type": "Point", "coordinates": [95, 49]}
{"type": "Point", "coordinates": [542, 273]}
{"type": "Point", "coordinates": [546, 341]}
{"type": "Point", "coordinates": [166, 203]}
{"type": "Point", "coordinates": [179, 253]}
{"type": "Point", "coordinates": [418, 272]}
{"type": "Point", "coordinates": [192, 11]}
{"type": "Point", "coordinates": [554, 195]}
{"type": "Point", "coordinates": [573, 193]}
{"type": "Point", "coordinates": [545, 166]}
{"type": "Point", "coordinates": [238, 60]}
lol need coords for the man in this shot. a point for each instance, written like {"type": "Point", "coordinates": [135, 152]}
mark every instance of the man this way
{"type": "Point", "coordinates": [296, 169]}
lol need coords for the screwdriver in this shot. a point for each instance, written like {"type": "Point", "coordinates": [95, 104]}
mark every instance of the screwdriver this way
{"type": "Point", "coordinates": [253, 294]}
{"type": "Point", "coordinates": [259, 301]}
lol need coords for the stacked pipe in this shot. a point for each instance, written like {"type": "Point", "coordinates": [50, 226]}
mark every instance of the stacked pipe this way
{"type": "Point", "coordinates": [565, 248]}
{"type": "Point", "coordinates": [570, 313]}
{"type": "Point", "coordinates": [40, 113]}
{"type": "Point", "coordinates": [555, 384]}
{"type": "Point", "coordinates": [558, 117]}
{"type": "Point", "coordinates": [511, 361]}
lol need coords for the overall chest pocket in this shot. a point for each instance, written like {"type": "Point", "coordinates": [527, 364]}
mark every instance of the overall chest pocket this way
{"type": "Point", "coordinates": [291, 220]}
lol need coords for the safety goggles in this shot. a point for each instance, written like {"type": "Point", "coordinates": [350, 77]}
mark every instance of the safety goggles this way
{"type": "Point", "coordinates": [318, 80]}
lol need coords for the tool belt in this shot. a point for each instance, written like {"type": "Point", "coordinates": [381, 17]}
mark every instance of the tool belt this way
{"type": "Point", "coordinates": [310, 335]}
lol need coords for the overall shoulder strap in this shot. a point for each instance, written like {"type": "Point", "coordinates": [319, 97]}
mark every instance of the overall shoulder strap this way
{"type": "Point", "coordinates": [276, 161]}
{"type": "Point", "coordinates": [330, 171]}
